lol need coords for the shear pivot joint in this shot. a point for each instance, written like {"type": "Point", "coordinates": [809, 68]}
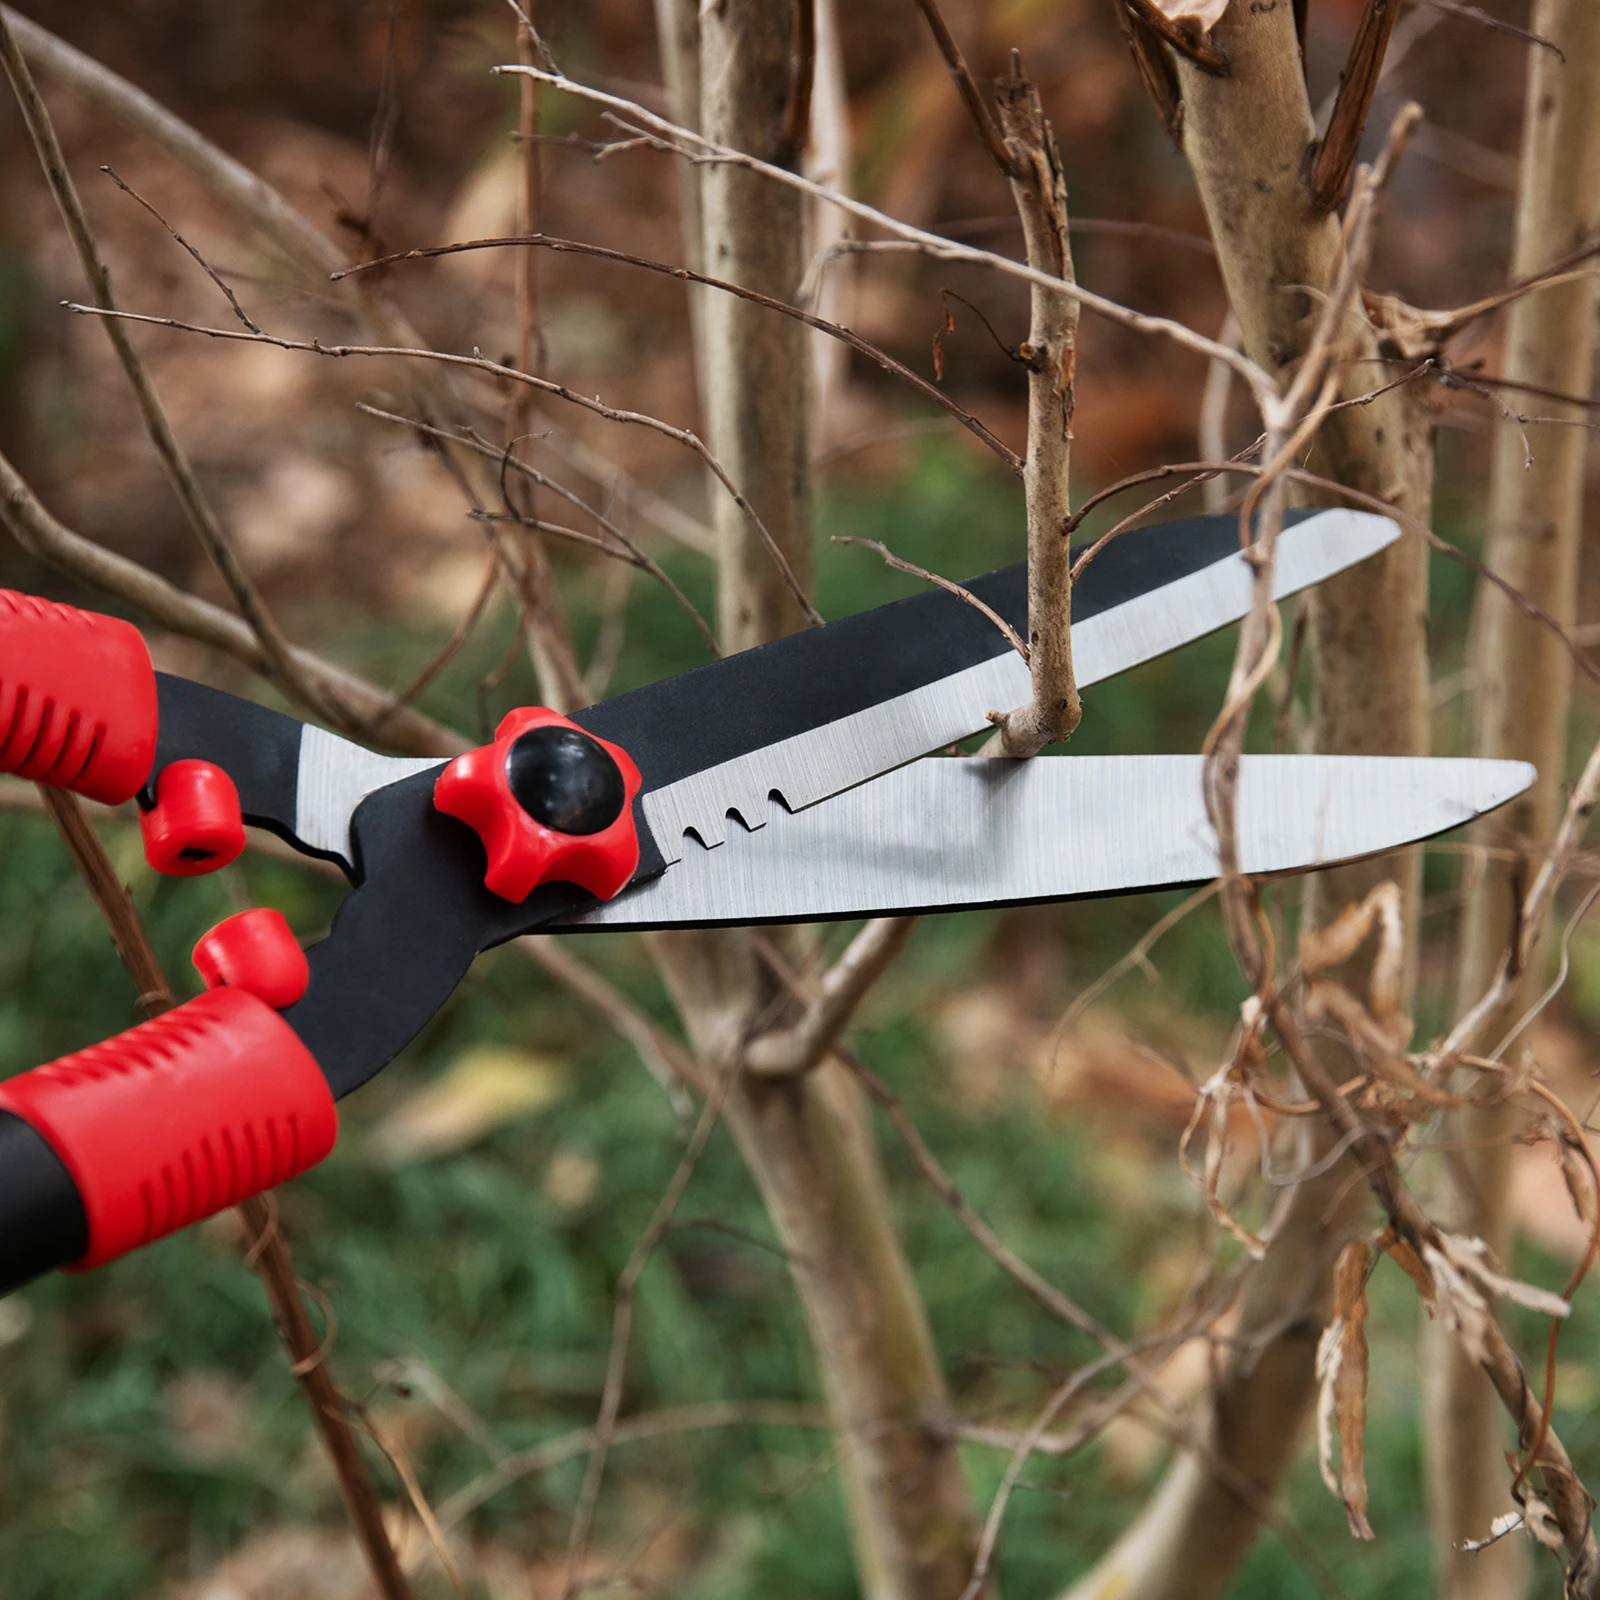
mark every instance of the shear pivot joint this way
{"type": "Point", "coordinates": [550, 802]}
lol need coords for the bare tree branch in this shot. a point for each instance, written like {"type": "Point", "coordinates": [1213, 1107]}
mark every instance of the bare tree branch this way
{"type": "Point", "coordinates": [682, 141]}
{"type": "Point", "coordinates": [622, 1326]}
{"type": "Point", "coordinates": [196, 506]}
{"type": "Point", "coordinates": [1039, 189]}
{"type": "Point", "coordinates": [977, 107]}
{"type": "Point", "coordinates": [1334, 158]}
{"type": "Point", "coordinates": [799, 1047]}
{"type": "Point", "coordinates": [268, 1250]}
{"type": "Point", "coordinates": [403, 728]}
{"type": "Point", "coordinates": [928, 391]}
{"type": "Point", "coordinates": [683, 436]}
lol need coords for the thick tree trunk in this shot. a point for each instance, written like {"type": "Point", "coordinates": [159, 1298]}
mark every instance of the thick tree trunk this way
{"type": "Point", "coordinates": [1522, 685]}
{"type": "Point", "coordinates": [810, 1147]}
{"type": "Point", "coordinates": [808, 1139]}
{"type": "Point", "coordinates": [1246, 136]}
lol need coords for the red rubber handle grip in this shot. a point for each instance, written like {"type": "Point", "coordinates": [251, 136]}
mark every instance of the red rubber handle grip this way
{"type": "Point", "coordinates": [179, 1118]}
{"type": "Point", "coordinates": [77, 699]}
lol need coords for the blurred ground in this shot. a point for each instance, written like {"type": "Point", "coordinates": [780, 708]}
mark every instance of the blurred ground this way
{"type": "Point", "coordinates": [488, 1189]}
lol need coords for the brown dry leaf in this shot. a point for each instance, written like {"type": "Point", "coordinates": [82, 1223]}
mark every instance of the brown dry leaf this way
{"type": "Point", "coordinates": [1321, 948]}
{"type": "Point", "coordinates": [1540, 1521]}
{"type": "Point", "coordinates": [1471, 1255]}
{"type": "Point", "coordinates": [1207, 13]}
{"type": "Point", "coordinates": [208, 1416]}
{"type": "Point", "coordinates": [1580, 1183]}
{"type": "Point", "coordinates": [1342, 1399]}
{"type": "Point", "coordinates": [484, 1089]}
{"type": "Point", "coordinates": [1379, 1043]}
{"type": "Point", "coordinates": [1463, 1283]}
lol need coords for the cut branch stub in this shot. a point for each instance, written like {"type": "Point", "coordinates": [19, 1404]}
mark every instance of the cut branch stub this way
{"type": "Point", "coordinates": [1050, 355]}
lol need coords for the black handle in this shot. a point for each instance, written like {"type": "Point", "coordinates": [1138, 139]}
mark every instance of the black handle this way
{"type": "Point", "coordinates": [42, 1220]}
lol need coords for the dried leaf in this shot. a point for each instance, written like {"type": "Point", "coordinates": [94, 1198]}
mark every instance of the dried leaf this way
{"type": "Point", "coordinates": [1379, 1044]}
{"type": "Point", "coordinates": [484, 1089]}
{"type": "Point", "coordinates": [1321, 948]}
{"type": "Point", "coordinates": [1406, 1259]}
{"type": "Point", "coordinates": [1458, 1303]}
{"type": "Point", "coordinates": [1506, 1522]}
{"type": "Point", "coordinates": [1207, 13]}
{"type": "Point", "coordinates": [1540, 1521]}
{"type": "Point", "coordinates": [1463, 1281]}
{"type": "Point", "coordinates": [1471, 1255]}
{"type": "Point", "coordinates": [1342, 1398]}
{"type": "Point", "coordinates": [1580, 1182]}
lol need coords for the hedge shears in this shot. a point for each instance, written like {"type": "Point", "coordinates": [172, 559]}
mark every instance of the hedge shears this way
{"type": "Point", "coordinates": [801, 781]}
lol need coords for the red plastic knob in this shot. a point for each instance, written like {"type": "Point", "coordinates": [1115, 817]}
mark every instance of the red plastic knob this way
{"type": "Point", "coordinates": [551, 804]}
{"type": "Point", "coordinates": [255, 951]}
{"type": "Point", "coordinates": [194, 826]}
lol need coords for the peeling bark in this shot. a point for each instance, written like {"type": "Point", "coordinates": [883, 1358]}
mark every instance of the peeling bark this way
{"type": "Point", "coordinates": [1522, 691]}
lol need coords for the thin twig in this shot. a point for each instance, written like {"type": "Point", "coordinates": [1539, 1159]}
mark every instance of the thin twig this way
{"type": "Point", "coordinates": [947, 584]}
{"type": "Point", "coordinates": [1457, 8]}
{"type": "Point", "coordinates": [447, 651]}
{"type": "Point", "coordinates": [833, 330]}
{"type": "Point", "coordinates": [620, 547]}
{"type": "Point", "coordinates": [396, 1455]}
{"type": "Point", "coordinates": [1137, 956]}
{"type": "Point", "coordinates": [683, 142]}
{"type": "Point", "coordinates": [982, 117]}
{"type": "Point", "coordinates": [111, 894]}
{"type": "Point", "coordinates": [1025, 1446]}
{"type": "Point", "coordinates": [799, 1047]}
{"type": "Point", "coordinates": [667, 1061]}
{"type": "Point", "coordinates": [555, 662]}
{"type": "Point", "coordinates": [204, 265]}
{"type": "Point", "coordinates": [196, 507]}
{"type": "Point", "coordinates": [407, 730]}
{"type": "Point", "coordinates": [268, 1251]}
{"type": "Point", "coordinates": [495, 369]}
{"type": "Point", "coordinates": [622, 1327]}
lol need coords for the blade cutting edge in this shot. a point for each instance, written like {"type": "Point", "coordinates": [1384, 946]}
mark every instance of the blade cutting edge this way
{"type": "Point", "coordinates": [941, 834]}
{"type": "Point", "coordinates": [825, 760]}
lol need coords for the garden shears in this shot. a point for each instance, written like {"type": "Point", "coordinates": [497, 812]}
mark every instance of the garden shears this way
{"type": "Point", "coordinates": [786, 783]}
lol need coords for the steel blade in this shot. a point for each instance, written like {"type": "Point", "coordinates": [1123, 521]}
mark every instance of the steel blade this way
{"type": "Point", "coordinates": [941, 835]}
{"type": "Point", "coordinates": [814, 714]}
